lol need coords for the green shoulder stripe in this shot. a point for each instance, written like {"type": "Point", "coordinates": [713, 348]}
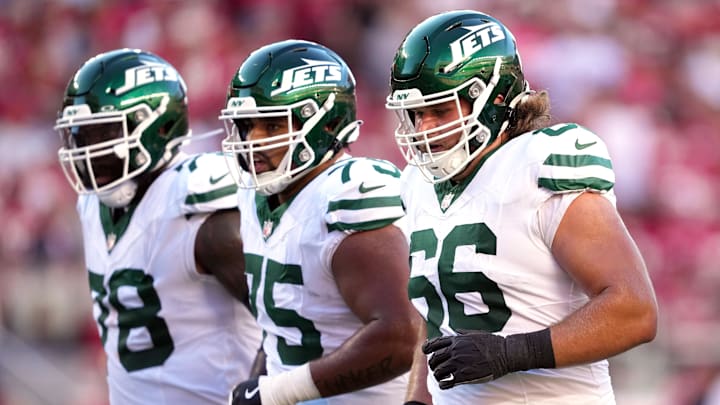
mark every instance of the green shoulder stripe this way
{"type": "Point", "coordinates": [211, 195]}
{"type": "Point", "coordinates": [365, 203]}
{"type": "Point", "coordinates": [577, 161]}
{"type": "Point", "coordinates": [583, 175]}
{"type": "Point", "coordinates": [361, 226]}
{"type": "Point", "coordinates": [559, 185]}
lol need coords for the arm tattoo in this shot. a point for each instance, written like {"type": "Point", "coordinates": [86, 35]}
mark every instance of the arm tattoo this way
{"type": "Point", "coordinates": [355, 379]}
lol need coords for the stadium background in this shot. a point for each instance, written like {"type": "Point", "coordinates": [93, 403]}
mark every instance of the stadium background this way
{"type": "Point", "coordinates": [642, 74]}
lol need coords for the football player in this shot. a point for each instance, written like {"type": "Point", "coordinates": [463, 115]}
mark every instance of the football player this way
{"type": "Point", "coordinates": [521, 266]}
{"type": "Point", "coordinates": [162, 248]}
{"type": "Point", "coordinates": [326, 264]}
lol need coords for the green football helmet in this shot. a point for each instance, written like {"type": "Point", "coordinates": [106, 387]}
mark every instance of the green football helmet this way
{"type": "Point", "coordinates": [448, 57]}
{"type": "Point", "coordinates": [310, 86]}
{"type": "Point", "coordinates": [124, 115]}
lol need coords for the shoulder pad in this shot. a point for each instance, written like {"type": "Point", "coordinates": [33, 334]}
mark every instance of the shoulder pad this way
{"type": "Point", "coordinates": [365, 195]}
{"type": "Point", "coordinates": [210, 186]}
{"type": "Point", "coordinates": [572, 158]}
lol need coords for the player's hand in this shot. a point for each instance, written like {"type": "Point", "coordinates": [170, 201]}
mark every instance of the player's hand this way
{"type": "Point", "coordinates": [245, 393]}
{"type": "Point", "coordinates": [471, 357]}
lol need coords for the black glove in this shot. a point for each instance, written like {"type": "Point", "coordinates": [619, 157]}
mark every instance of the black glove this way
{"type": "Point", "coordinates": [245, 393]}
{"type": "Point", "coordinates": [479, 357]}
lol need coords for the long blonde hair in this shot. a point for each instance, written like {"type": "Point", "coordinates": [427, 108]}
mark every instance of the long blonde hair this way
{"type": "Point", "coordinates": [530, 114]}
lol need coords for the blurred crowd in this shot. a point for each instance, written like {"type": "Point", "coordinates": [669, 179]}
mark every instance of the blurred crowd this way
{"type": "Point", "coordinates": [642, 74]}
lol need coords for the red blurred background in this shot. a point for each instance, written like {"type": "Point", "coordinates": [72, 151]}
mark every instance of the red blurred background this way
{"type": "Point", "coordinates": [644, 75]}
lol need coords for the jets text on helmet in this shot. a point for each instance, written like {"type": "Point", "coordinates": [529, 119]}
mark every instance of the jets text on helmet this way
{"type": "Point", "coordinates": [142, 75]}
{"type": "Point", "coordinates": [315, 72]}
{"type": "Point", "coordinates": [478, 37]}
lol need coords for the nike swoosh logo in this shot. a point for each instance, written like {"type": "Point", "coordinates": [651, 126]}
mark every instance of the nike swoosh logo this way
{"type": "Point", "coordinates": [580, 146]}
{"type": "Point", "coordinates": [364, 189]}
{"type": "Point", "coordinates": [250, 394]}
{"type": "Point", "coordinates": [449, 378]}
{"type": "Point", "coordinates": [214, 180]}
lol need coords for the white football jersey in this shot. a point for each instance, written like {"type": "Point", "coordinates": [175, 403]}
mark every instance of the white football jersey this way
{"type": "Point", "coordinates": [288, 254]}
{"type": "Point", "coordinates": [481, 258]}
{"type": "Point", "coordinates": [172, 335]}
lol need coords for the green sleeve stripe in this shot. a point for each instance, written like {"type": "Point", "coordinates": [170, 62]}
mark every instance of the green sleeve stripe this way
{"type": "Point", "coordinates": [560, 185]}
{"type": "Point", "coordinates": [577, 161]}
{"type": "Point", "coordinates": [345, 175]}
{"type": "Point", "coordinates": [555, 132]}
{"type": "Point", "coordinates": [361, 226]}
{"type": "Point", "coordinates": [210, 195]}
{"type": "Point", "coordinates": [394, 171]}
{"type": "Point", "coordinates": [364, 203]}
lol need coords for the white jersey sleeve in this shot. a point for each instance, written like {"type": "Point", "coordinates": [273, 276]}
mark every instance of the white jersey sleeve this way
{"type": "Point", "coordinates": [210, 187]}
{"type": "Point", "coordinates": [572, 159]}
{"type": "Point", "coordinates": [368, 199]}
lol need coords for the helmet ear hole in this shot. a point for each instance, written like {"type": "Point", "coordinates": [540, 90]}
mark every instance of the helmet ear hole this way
{"type": "Point", "coordinates": [166, 128]}
{"type": "Point", "coordinates": [332, 126]}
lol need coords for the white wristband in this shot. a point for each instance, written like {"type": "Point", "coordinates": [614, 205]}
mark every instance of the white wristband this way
{"type": "Point", "coordinates": [288, 388]}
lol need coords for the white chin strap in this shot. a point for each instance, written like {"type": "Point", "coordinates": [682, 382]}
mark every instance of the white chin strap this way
{"type": "Point", "coordinates": [272, 187]}
{"type": "Point", "coordinates": [448, 164]}
{"type": "Point", "coordinates": [119, 196]}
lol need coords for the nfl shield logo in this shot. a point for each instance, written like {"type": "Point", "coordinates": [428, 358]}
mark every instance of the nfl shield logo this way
{"type": "Point", "coordinates": [447, 199]}
{"type": "Point", "coordinates": [267, 228]}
